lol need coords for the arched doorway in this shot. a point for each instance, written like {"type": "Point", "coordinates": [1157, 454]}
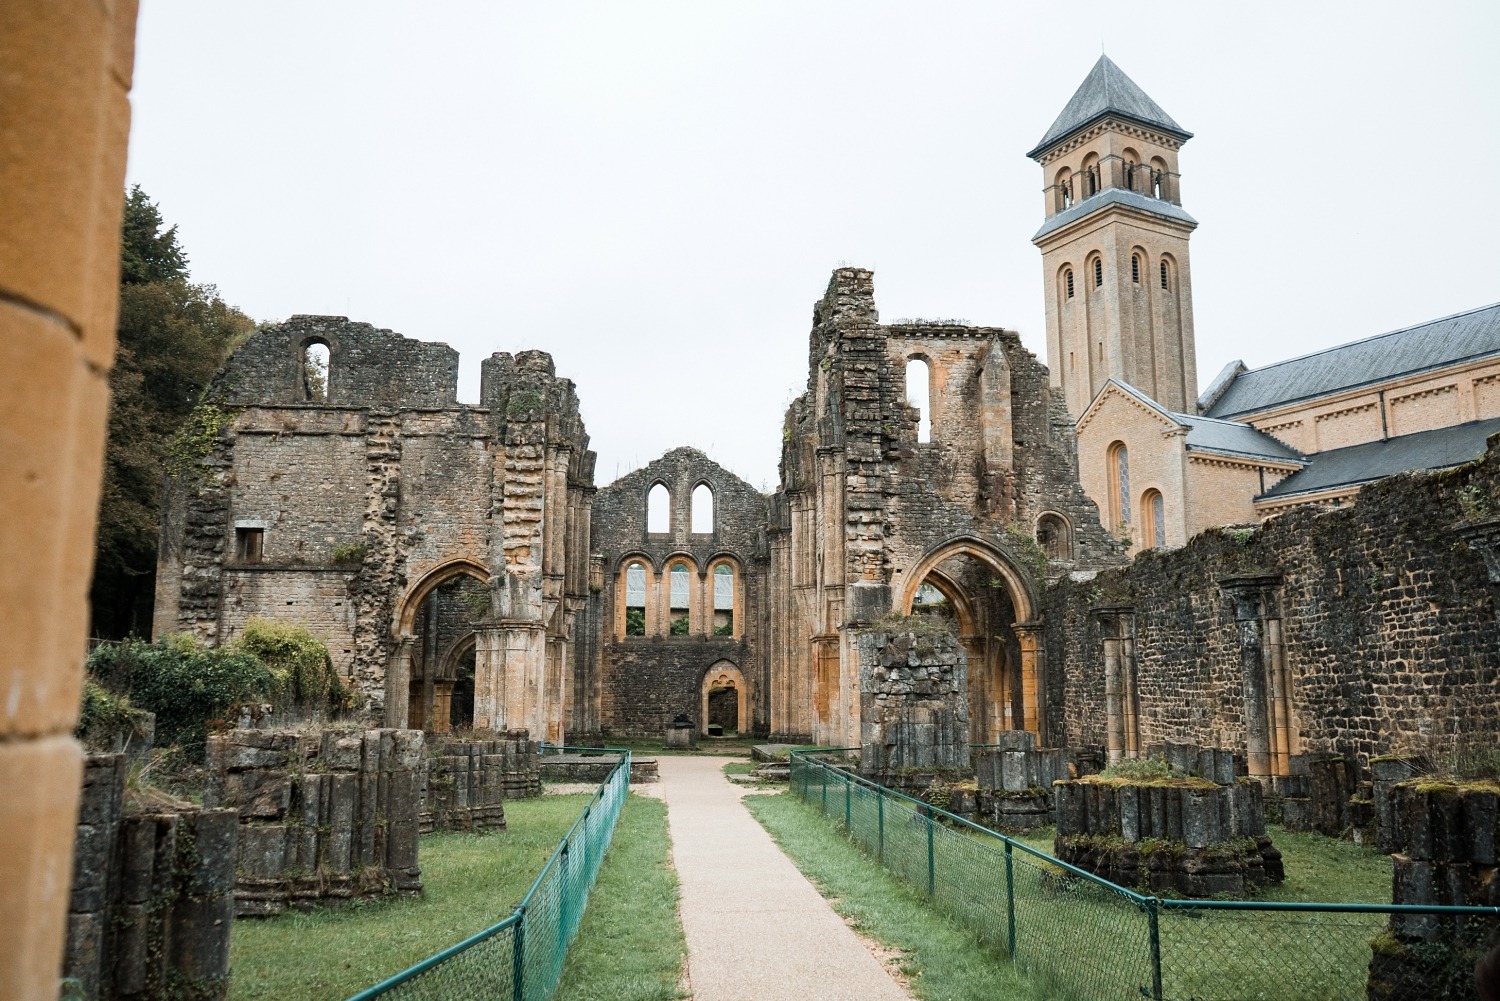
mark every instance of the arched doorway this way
{"type": "Point", "coordinates": [724, 699]}
{"type": "Point", "coordinates": [435, 652]}
{"type": "Point", "coordinates": [989, 599]}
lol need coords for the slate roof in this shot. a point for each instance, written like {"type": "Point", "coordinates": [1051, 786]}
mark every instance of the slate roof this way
{"type": "Point", "coordinates": [1105, 91]}
{"type": "Point", "coordinates": [1115, 196]}
{"type": "Point", "coordinates": [1234, 438]}
{"type": "Point", "coordinates": [1357, 464]}
{"type": "Point", "coordinates": [1205, 434]}
{"type": "Point", "coordinates": [1430, 345]}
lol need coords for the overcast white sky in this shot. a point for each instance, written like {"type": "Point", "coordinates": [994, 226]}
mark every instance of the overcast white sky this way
{"type": "Point", "coordinates": [655, 193]}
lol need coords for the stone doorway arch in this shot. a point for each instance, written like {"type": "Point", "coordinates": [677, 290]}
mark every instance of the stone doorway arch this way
{"type": "Point", "coordinates": [413, 701]}
{"type": "Point", "coordinates": [723, 694]}
{"type": "Point", "coordinates": [992, 601]}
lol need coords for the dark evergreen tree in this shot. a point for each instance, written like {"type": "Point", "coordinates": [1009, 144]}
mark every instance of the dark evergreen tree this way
{"type": "Point", "coordinates": [173, 336]}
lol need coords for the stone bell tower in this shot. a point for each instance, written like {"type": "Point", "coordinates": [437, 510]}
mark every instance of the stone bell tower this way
{"type": "Point", "coordinates": [1115, 246]}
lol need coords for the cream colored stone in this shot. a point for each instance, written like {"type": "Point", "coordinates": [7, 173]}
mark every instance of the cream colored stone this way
{"type": "Point", "coordinates": [38, 815]}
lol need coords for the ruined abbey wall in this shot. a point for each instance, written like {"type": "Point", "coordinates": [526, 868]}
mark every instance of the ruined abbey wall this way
{"type": "Point", "coordinates": [1382, 616]}
{"type": "Point", "coordinates": [637, 684]}
{"type": "Point", "coordinates": [342, 509]}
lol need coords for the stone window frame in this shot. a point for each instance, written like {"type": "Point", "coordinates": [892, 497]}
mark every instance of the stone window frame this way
{"type": "Point", "coordinates": [1095, 264]}
{"type": "Point", "coordinates": [1168, 272]}
{"type": "Point", "coordinates": [1065, 279]}
{"type": "Point", "coordinates": [737, 618]}
{"type": "Point", "coordinates": [670, 511]}
{"type": "Point", "coordinates": [923, 413]}
{"type": "Point", "coordinates": [1119, 487]}
{"type": "Point", "coordinates": [1065, 537]}
{"type": "Point", "coordinates": [713, 508]}
{"type": "Point", "coordinates": [621, 608]}
{"type": "Point", "coordinates": [695, 602]}
{"type": "Point", "coordinates": [1153, 535]}
{"type": "Point", "coordinates": [308, 342]}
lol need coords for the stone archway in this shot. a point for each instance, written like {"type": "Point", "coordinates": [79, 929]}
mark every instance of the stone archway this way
{"type": "Point", "coordinates": [723, 695]}
{"type": "Point", "coordinates": [406, 653]}
{"type": "Point", "coordinates": [993, 604]}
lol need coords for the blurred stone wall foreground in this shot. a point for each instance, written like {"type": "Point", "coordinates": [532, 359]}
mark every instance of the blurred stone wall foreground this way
{"type": "Point", "coordinates": [65, 70]}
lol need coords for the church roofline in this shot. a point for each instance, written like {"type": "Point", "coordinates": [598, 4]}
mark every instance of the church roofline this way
{"type": "Point", "coordinates": [1106, 91]}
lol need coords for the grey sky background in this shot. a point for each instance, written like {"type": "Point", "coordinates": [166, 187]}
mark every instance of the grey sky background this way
{"type": "Point", "coordinates": [655, 193]}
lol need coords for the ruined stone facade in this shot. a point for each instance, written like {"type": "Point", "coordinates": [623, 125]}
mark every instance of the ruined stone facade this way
{"type": "Point", "coordinates": [347, 506]}
{"type": "Point", "coordinates": [977, 498]}
{"type": "Point", "coordinates": [677, 619]}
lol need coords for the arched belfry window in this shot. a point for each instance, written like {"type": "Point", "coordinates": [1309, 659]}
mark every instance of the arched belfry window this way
{"type": "Point", "coordinates": [635, 600]}
{"type": "Point", "coordinates": [1135, 268]}
{"type": "Point", "coordinates": [1119, 486]}
{"type": "Point", "coordinates": [703, 509]}
{"type": "Point", "coordinates": [659, 510]}
{"type": "Point", "coordinates": [1165, 274]}
{"type": "Point", "coordinates": [679, 585]}
{"type": "Point", "coordinates": [1068, 281]}
{"type": "Point", "coordinates": [919, 395]}
{"type": "Point", "coordinates": [315, 359]}
{"type": "Point", "coordinates": [1098, 272]}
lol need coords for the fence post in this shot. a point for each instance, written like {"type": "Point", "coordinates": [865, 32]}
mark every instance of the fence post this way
{"type": "Point", "coordinates": [566, 894]}
{"type": "Point", "coordinates": [931, 858]}
{"type": "Point", "coordinates": [848, 827]}
{"type": "Point", "coordinates": [824, 770]}
{"type": "Point", "coordinates": [880, 807]}
{"type": "Point", "coordinates": [1010, 899]}
{"type": "Point", "coordinates": [518, 958]}
{"type": "Point", "coordinates": [1155, 929]}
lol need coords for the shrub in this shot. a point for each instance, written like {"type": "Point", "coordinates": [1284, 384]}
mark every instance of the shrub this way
{"type": "Point", "coordinates": [1139, 769]}
{"type": "Point", "coordinates": [105, 713]}
{"type": "Point", "coordinates": [183, 682]}
{"type": "Point", "coordinates": [350, 554]}
{"type": "Point", "coordinates": [679, 626]}
{"type": "Point", "coordinates": [299, 664]}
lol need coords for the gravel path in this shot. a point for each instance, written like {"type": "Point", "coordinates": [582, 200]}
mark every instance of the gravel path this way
{"type": "Point", "coordinates": [756, 929]}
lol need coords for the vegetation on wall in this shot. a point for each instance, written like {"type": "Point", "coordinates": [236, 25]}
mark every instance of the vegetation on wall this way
{"type": "Point", "coordinates": [172, 337]}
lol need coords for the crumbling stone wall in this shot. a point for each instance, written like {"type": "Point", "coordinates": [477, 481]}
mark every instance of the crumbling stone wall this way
{"type": "Point", "coordinates": [466, 781]}
{"type": "Point", "coordinates": [1446, 839]}
{"type": "Point", "coordinates": [325, 817]}
{"type": "Point", "coordinates": [152, 895]}
{"type": "Point", "coordinates": [863, 502]}
{"type": "Point", "coordinates": [367, 498]}
{"type": "Point", "coordinates": [1385, 622]}
{"type": "Point", "coordinates": [636, 685]}
{"type": "Point", "coordinates": [914, 703]}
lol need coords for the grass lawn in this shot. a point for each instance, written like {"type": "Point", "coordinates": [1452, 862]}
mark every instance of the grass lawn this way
{"type": "Point", "coordinates": [630, 946]}
{"type": "Point", "coordinates": [943, 961]}
{"type": "Point", "coordinates": [471, 881]}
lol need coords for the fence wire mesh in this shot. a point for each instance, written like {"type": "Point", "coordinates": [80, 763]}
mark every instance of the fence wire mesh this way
{"type": "Point", "coordinates": [521, 958]}
{"type": "Point", "coordinates": [1077, 936]}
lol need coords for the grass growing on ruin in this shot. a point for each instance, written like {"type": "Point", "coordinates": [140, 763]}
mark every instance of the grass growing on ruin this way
{"type": "Point", "coordinates": [472, 882]}
{"type": "Point", "coordinates": [939, 959]}
{"type": "Point", "coordinates": [630, 946]}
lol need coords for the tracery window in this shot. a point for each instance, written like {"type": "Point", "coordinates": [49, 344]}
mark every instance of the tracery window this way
{"type": "Point", "coordinates": [1119, 469]}
{"type": "Point", "coordinates": [1156, 519]}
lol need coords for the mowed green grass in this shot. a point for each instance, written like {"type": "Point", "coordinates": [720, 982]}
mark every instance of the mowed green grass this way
{"type": "Point", "coordinates": [942, 961]}
{"type": "Point", "coordinates": [630, 946]}
{"type": "Point", "coordinates": [471, 882]}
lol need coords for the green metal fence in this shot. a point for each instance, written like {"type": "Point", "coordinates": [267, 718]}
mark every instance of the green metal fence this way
{"type": "Point", "coordinates": [1081, 937]}
{"type": "Point", "coordinates": [521, 958]}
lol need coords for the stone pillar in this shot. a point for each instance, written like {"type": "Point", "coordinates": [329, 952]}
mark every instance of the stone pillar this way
{"type": "Point", "coordinates": [1121, 723]}
{"type": "Point", "coordinates": [1029, 634]}
{"type": "Point", "coordinates": [510, 659]}
{"type": "Point", "coordinates": [68, 66]}
{"type": "Point", "coordinates": [1252, 597]}
{"type": "Point", "coordinates": [398, 673]}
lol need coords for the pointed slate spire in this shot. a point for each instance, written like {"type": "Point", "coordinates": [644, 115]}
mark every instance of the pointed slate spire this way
{"type": "Point", "coordinates": [1108, 91]}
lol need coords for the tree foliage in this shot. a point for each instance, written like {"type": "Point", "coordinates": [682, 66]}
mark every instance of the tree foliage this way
{"type": "Point", "coordinates": [172, 337]}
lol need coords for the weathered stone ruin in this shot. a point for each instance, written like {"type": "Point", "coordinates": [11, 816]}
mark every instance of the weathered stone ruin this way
{"type": "Point", "coordinates": [325, 817]}
{"type": "Point", "coordinates": [1014, 781]}
{"type": "Point", "coordinates": [1446, 837]}
{"type": "Point", "coordinates": [1188, 836]}
{"type": "Point", "coordinates": [152, 895]}
{"type": "Point", "coordinates": [914, 703]}
{"type": "Point", "coordinates": [466, 781]}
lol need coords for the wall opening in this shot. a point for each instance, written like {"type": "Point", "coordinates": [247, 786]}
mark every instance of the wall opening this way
{"type": "Point", "coordinates": [249, 544]}
{"type": "Point", "coordinates": [919, 395]}
{"type": "Point", "coordinates": [679, 580]}
{"type": "Point", "coordinates": [659, 510]}
{"type": "Point", "coordinates": [1055, 536]}
{"type": "Point", "coordinates": [635, 600]}
{"type": "Point", "coordinates": [723, 600]}
{"type": "Point", "coordinates": [724, 704]}
{"type": "Point", "coordinates": [703, 509]}
{"type": "Point", "coordinates": [315, 358]}
{"type": "Point", "coordinates": [1154, 510]}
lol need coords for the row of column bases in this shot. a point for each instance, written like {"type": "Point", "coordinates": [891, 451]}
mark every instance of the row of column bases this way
{"type": "Point", "coordinates": [1270, 723]}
